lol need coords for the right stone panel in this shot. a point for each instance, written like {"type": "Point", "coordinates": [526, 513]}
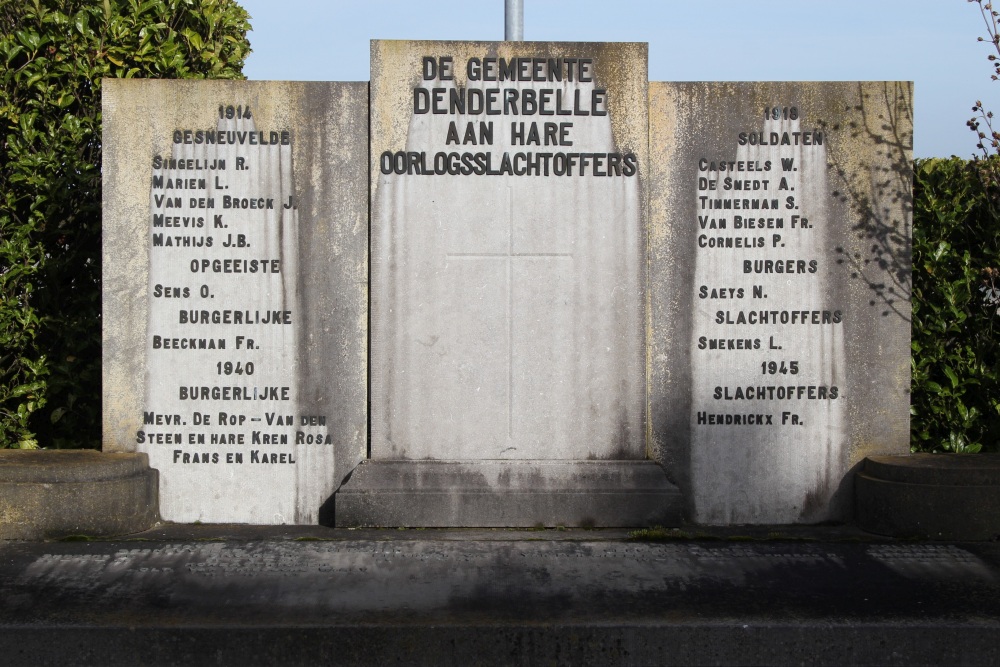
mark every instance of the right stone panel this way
{"type": "Point", "coordinates": [779, 247]}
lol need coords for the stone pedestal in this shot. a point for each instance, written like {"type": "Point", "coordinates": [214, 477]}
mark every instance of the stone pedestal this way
{"type": "Point", "coordinates": [507, 289]}
{"type": "Point", "coordinates": [930, 496]}
{"type": "Point", "coordinates": [508, 494]}
{"type": "Point", "coordinates": [51, 494]}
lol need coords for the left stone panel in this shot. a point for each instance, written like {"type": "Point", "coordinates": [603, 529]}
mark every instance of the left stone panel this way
{"type": "Point", "coordinates": [235, 308]}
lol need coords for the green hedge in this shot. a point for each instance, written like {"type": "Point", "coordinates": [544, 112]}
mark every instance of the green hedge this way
{"type": "Point", "coordinates": [53, 54]}
{"type": "Point", "coordinates": [956, 307]}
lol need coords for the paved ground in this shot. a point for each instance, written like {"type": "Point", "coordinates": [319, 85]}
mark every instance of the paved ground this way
{"type": "Point", "coordinates": [279, 595]}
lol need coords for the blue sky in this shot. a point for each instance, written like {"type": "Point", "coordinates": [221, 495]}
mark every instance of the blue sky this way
{"type": "Point", "coordinates": [931, 42]}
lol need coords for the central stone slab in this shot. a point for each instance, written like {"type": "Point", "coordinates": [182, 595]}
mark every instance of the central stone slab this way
{"type": "Point", "coordinates": [507, 274]}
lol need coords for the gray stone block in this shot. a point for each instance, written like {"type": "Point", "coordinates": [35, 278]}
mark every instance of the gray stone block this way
{"type": "Point", "coordinates": [930, 496]}
{"type": "Point", "coordinates": [235, 291]}
{"type": "Point", "coordinates": [508, 272]}
{"type": "Point", "coordinates": [508, 494]}
{"type": "Point", "coordinates": [779, 278]}
{"type": "Point", "coordinates": [507, 301]}
{"type": "Point", "coordinates": [49, 494]}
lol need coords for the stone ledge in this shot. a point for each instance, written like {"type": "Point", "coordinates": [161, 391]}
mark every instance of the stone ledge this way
{"type": "Point", "coordinates": [55, 493]}
{"type": "Point", "coordinates": [556, 643]}
{"type": "Point", "coordinates": [930, 496]}
{"type": "Point", "coordinates": [453, 598]}
{"type": "Point", "coordinates": [495, 494]}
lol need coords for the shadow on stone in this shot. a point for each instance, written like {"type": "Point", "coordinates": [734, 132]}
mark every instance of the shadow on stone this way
{"type": "Point", "coordinates": [930, 496]}
{"type": "Point", "coordinates": [880, 196]}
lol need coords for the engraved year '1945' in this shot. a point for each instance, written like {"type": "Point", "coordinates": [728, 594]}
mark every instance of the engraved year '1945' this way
{"type": "Point", "coordinates": [773, 367]}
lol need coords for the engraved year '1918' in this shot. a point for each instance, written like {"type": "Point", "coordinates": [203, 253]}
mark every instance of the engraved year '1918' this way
{"type": "Point", "coordinates": [781, 113]}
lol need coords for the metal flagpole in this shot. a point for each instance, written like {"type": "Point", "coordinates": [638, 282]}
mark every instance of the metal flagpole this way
{"type": "Point", "coordinates": [514, 20]}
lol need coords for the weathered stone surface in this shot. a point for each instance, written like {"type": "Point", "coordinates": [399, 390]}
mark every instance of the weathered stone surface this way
{"type": "Point", "coordinates": [508, 493]}
{"type": "Point", "coordinates": [791, 200]}
{"type": "Point", "coordinates": [722, 289]}
{"type": "Point", "coordinates": [49, 494]}
{"type": "Point", "coordinates": [508, 223]}
{"type": "Point", "coordinates": [235, 300]}
{"type": "Point", "coordinates": [930, 496]}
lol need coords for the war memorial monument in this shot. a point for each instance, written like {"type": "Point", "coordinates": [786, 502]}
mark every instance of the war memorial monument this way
{"type": "Point", "coordinates": [506, 284]}
{"type": "Point", "coordinates": [517, 297]}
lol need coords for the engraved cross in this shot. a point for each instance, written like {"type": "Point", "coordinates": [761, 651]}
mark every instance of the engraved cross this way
{"type": "Point", "coordinates": [509, 256]}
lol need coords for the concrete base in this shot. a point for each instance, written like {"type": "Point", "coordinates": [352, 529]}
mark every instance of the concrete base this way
{"type": "Point", "coordinates": [296, 595]}
{"type": "Point", "coordinates": [507, 494]}
{"type": "Point", "coordinates": [930, 496]}
{"type": "Point", "coordinates": [51, 494]}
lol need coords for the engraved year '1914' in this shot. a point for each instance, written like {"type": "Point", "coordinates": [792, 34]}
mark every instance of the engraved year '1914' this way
{"type": "Point", "coordinates": [229, 112]}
